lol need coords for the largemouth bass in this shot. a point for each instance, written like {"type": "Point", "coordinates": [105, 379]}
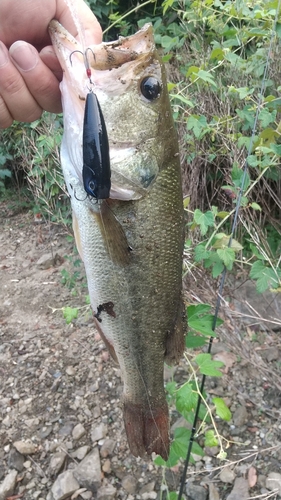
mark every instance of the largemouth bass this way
{"type": "Point", "coordinates": [132, 243]}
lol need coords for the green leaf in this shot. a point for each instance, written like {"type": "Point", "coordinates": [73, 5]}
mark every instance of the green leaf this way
{"type": "Point", "coordinates": [171, 387]}
{"type": "Point", "coordinates": [221, 409]}
{"type": "Point", "coordinates": [266, 277]}
{"type": "Point", "coordinates": [256, 252]}
{"type": "Point", "coordinates": [217, 54]}
{"type": "Point", "coordinates": [70, 313]}
{"type": "Point", "coordinates": [217, 269]}
{"type": "Point", "coordinates": [255, 206]}
{"type": "Point", "coordinates": [222, 214]}
{"type": "Point", "coordinates": [204, 325]}
{"type": "Point", "coordinates": [172, 495]}
{"type": "Point", "coordinates": [257, 269]}
{"type": "Point", "coordinates": [186, 398]}
{"type": "Point", "coordinates": [208, 366]}
{"type": "Point", "coordinates": [206, 77]}
{"type": "Point", "coordinates": [197, 310]}
{"type": "Point", "coordinates": [210, 438]}
{"type": "Point", "coordinates": [204, 220]}
{"type": "Point", "coordinates": [266, 117]}
{"type": "Point", "coordinates": [183, 99]}
{"type": "Point", "coordinates": [227, 255]}
{"type": "Point", "coordinates": [192, 341]}
{"type": "Point", "coordinates": [222, 241]}
{"type": "Point", "coordinates": [198, 124]}
{"type": "Point", "coordinates": [167, 4]}
{"type": "Point", "coordinates": [276, 148]}
{"type": "Point", "coordinates": [200, 253]}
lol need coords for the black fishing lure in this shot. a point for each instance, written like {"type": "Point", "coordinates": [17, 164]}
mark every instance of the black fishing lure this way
{"type": "Point", "coordinates": [96, 163]}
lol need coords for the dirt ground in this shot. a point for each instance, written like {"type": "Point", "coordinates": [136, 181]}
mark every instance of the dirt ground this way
{"type": "Point", "coordinates": [60, 392]}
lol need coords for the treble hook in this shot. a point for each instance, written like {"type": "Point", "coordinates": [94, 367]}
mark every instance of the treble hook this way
{"type": "Point", "coordinates": [86, 62]}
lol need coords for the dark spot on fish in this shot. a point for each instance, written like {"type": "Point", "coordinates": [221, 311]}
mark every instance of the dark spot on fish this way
{"type": "Point", "coordinates": [106, 307]}
{"type": "Point", "coordinates": [82, 98]}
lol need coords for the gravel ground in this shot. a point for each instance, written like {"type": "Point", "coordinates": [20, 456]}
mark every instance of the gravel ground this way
{"type": "Point", "coordinates": [61, 429]}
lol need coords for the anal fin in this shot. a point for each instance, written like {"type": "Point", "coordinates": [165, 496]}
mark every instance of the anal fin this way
{"type": "Point", "coordinates": [175, 344]}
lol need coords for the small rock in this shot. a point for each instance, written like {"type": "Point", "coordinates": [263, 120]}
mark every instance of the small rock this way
{"type": "Point", "coordinates": [56, 462]}
{"type": "Point", "coordinates": [70, 370]}
{"type": "Point", "coordinates": [64, 486]}
{"type": "Point", "coordinates": [98, 432]}
{"type": "Point", "coordinates": [66, 429]}
{"type": "Point", "coordinates": [45, 431]}
{"type": "Point", "coordinates": [211, 451]}
{"type": "Point", "coordinates": [106, 466]}
{"type": "Point", "coordinates": [107, 448]}
{"type": "Point", "coordinates": [78, 493]}
{"type": "Point", "coordinates": [8, 485]}
{"type": "Point", "coordinates": [271, 354]}
{"type": "Point", "coordinates": [88, 495]}
{"type": "Point", "coordinates": [240, 490]}
{"type": "Point", "coordinates": [240, 416]}
{"type": "Point", "coordinates": [118, 470]}
{"type": "Point", "coordinates": [16, 460]}
{"type": "Point", "coordinates": [25, 447]}
{"type": "Point", "coordinates": [48, 260]}
{"type": "Point", "coordinates": [78, 432]}
{"type": "Point", "coordinates": [81, 452]}
{"type": "Point", "coordinates": [213, 492]}
{"type": "Point", "coordinates": [273, 482]}
{"type": "Point", "coordinates": [261, 480]}
{"type": "Point", "coordinates": [196, 492]}
{"type": "Point", "coordinates": [147, 488]}
{"type": "Point", "coordinates": [129, 484]}
{"type": "Point", "coordinates": [227, 475]}
{"type": "Point", "coordinates": [180, 422]}
{"type": "Point", "coordinates": [106, 492]}
{"type": "Point", "coordinates": [88, 472]}
{"type": "Point", "coordinates": [149, 496]}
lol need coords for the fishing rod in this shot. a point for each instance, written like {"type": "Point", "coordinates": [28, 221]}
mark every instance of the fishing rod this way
{"type": "Point", "coordinates": [233, 229]}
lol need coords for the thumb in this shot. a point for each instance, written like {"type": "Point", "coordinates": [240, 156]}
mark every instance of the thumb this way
{"type": "Point", "coordinates": [78, 19]}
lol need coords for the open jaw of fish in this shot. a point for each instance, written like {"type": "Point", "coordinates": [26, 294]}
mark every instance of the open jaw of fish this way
{"type": "Point", "coordinates": [132, 243]}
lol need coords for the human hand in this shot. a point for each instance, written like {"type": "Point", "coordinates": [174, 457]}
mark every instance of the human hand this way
{"type": "Point", "coordinates": [29, 70]}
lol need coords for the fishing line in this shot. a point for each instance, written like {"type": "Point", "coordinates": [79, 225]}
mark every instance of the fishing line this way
{"type": "Point", "coordinates": [233, 229]}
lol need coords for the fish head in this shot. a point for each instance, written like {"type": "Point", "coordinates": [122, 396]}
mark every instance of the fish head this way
{"type": "Point", "coordinates": [128, 79]}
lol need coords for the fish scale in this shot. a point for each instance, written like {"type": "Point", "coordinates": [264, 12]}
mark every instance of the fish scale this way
{"type": "Point", "coordinates": [131, 244]}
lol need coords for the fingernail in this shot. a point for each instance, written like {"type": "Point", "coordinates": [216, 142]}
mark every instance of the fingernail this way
{"type": "Point", "coordinates": [3, 55]}
{"type": "Point", "coordinates": [24, 56]}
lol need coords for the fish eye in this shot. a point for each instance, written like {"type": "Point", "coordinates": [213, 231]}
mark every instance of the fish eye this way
{"type": "Point", "coordinates": [150, 88]}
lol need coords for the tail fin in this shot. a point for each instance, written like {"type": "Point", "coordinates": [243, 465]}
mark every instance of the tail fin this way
{"type": "Point", "coordinates": [147, 429]}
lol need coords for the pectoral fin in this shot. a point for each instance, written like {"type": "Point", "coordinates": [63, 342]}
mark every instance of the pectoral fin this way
{"type": "Point", "coordinates": [113, 234]}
